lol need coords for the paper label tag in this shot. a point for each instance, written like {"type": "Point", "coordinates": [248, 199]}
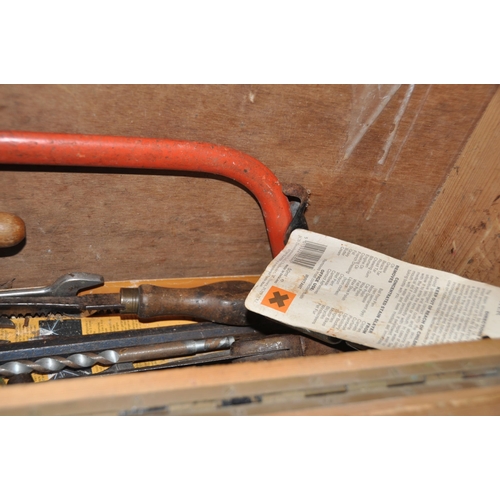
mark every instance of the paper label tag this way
{"type": "Point", "coordinates": [339, 289]}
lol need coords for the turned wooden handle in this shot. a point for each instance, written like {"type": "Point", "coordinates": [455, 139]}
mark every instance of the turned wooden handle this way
{"type": "Point", "coordinates": [12, 230]}
{"type": "Point", "coordinates": [221, 302]}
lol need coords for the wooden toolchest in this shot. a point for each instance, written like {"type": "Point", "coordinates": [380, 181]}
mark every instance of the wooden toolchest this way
{"type": "Point", "coordinates": [410, 171]}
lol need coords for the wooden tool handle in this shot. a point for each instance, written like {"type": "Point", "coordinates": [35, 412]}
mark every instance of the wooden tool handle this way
{"type": "Point", "coordinates": [12, 230]}
{"type": "Point", "coordinates": [222, 302]}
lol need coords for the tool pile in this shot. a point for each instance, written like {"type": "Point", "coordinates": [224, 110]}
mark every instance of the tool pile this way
{"type": "Point", "coordinates": [234, 336]}
{"type": "Point", "coordinates": [227, 333]}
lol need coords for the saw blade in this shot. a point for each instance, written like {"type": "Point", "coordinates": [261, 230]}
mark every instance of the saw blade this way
{"type": "Point", "coordinates": [44, 306]}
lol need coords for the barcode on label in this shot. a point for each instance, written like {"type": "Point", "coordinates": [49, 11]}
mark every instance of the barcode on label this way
{"type": "Point", "coordinates": [309, 254]}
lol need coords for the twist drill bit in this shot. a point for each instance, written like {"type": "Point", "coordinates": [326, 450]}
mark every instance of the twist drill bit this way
{"type": "Point", "coordinates": [60, 345]}
{"type": "Point", "coordinates": [113, 356]}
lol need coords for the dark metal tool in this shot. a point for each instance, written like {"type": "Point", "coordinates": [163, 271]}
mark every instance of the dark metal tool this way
{"type": "Point", "coordinates": [221, 302]}
{"type": "Point", "coordinates": [65, 346]}
{"type": "Point", "coordinates": [265, 348]}
{"type": "Point", "coordinates": [196, 342]}
{"type": "Point", "coordinates": [113, 356]}
{"type": "Point", "coordinates": [73, 356]}
{"type": "Point", "coordinates": [65, 286]}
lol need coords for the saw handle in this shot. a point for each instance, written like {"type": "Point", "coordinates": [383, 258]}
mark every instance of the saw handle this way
{"type": "Point", "coordinates": [221, 302]}
{"type": "Point", "coordinates": [12, 230]}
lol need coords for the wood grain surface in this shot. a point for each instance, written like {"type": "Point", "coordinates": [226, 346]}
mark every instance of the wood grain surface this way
{"type": "Point", "coordinates": [371, 378]}
{"type": "Point", "coordinates": [461, 233]}
{"type": "Point", "coordinates": [373, 156]}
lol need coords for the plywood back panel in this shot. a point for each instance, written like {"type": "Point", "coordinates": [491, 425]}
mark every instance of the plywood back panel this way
{"type": "Point", "coordinates": [374, 158]}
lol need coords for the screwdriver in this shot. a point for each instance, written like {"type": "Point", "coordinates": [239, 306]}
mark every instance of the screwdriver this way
{"type": "Point", "coordinates": [221, 302]}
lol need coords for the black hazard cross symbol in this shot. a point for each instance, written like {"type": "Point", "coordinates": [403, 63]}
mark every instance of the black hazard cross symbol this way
{"type": "Point", "coordinates": [279, 299]}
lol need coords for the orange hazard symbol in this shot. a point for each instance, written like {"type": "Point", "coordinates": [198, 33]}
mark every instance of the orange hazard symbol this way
{"type": "Point", "coordinates": [279, 299]}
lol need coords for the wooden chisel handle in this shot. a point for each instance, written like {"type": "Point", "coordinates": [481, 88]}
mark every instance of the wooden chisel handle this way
{"type": "Point", "coordinates": [222, 302]}
{"type": "Point", "coordinates": [12, 230]}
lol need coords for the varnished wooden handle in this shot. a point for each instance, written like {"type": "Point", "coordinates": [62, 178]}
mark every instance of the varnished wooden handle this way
{"type": "Point", "coordinates": [221, 302]}
{"type": "Point", "coordinates": [12, 230]}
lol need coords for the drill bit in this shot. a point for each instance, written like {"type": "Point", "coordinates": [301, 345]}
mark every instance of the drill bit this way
{"type": "Point", "coordinates": [60, 345]}
{"type": "Point", "coordinates": [114, 356]}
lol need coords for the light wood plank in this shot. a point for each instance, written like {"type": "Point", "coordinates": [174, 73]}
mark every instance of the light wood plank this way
{"type": "Point", "coordinates": [478, 401]}
{"type": "Point", "coordinates": [461, 232]}
{"type": "Point", "coordinates": [115, 394]}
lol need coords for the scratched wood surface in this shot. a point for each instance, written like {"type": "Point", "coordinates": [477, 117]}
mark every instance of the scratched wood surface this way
{"type": "Point", "coordinates": [461, 232]}
{"type": "Point", "coordinates": [368, 376]}
{"type": "Point", "coordinates": [373, 156]}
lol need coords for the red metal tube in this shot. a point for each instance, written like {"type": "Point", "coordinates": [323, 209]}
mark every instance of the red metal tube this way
{"type": "Point", "coordinates": [38, 148]}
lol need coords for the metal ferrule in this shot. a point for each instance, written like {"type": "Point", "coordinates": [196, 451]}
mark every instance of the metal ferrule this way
{"type": "Point", "coordinates": [129, 298]}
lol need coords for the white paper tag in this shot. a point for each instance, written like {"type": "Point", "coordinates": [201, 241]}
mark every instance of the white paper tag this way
{"type": "Point", "coordinates": [332, 287]}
